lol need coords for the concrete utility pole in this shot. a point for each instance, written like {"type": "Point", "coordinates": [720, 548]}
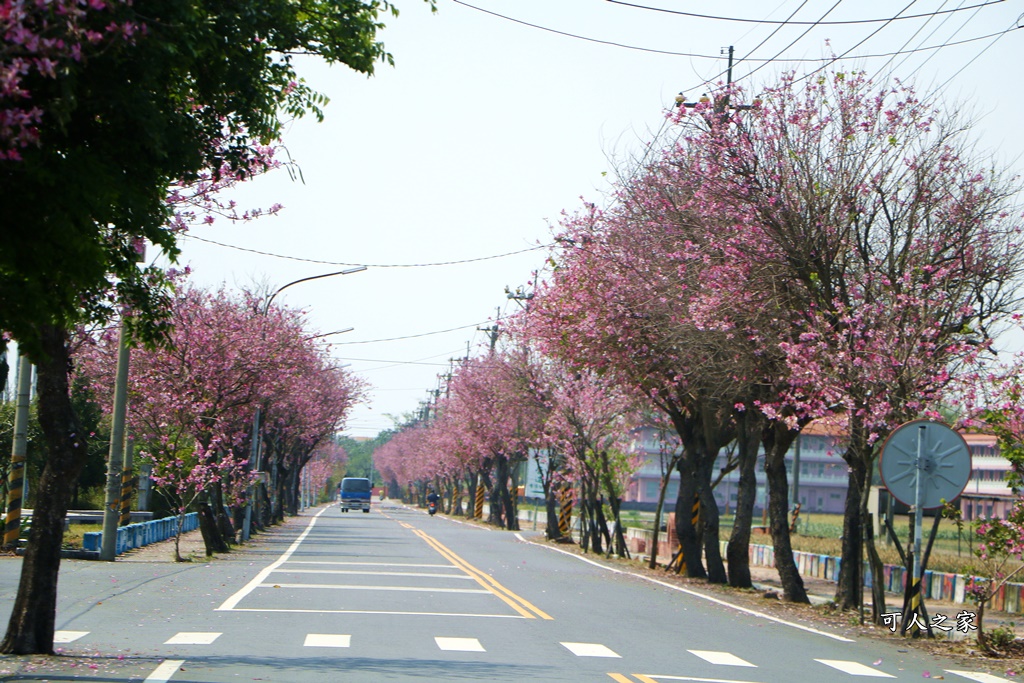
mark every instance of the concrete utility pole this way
{"type": "Point", "coordinates": [112, 501]}
{"type": "Point", "coordinates": [492, 332]}
{"type": "Point", "coordinates": [19, 449]}
{"type": "Point", "coordinates": [720, 105]}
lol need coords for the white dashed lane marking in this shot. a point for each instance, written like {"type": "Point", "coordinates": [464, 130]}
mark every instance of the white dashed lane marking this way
{"type": "Point", "coordinates": [327, 640]}
{"type": "Point", "coordinates": [854, 668]}
{"type": "Point", "coordinates": [980, 677]}
{"type": "Point", "coordinates": [459, 644]}
{"type": "Point", "coordinates": [589, 650]}
{"type": "Point", "coordinates": [421, 575]}
{"type": "Point", "coordinates": [167, 669]}
{"type": "Point", "coordinates": [724, 658]}
{"type": "Point", "coordinates": [192, 638]}
{"type": "Point", "coordinates": [345, 587]}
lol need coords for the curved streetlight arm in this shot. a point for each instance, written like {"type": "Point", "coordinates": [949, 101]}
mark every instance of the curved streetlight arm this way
{"type": "Point", "coordinates": [329, 334]}
{"type": "Point", "coordinates": [347, 271]}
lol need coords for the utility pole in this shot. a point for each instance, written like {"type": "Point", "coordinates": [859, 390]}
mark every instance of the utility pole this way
{"type": "Point", "coordinates": [720, 106]}
{"type": "Point", "coordinates": [111, 504]}
{"type": "Point", "coordinates": [19, 449]}
{"type": "Point", "coordinates": [492, 332]}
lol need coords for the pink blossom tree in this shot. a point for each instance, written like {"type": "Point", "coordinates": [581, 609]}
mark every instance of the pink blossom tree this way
{"type": "Point", "coordinates": [891, 245]}
{"type": "Point", "coordinates": [192, 403]}
{"type": "Point", "coordinates": [589, 421]}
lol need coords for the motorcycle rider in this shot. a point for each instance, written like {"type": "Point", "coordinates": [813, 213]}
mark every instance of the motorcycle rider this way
{"type": "Point", "coordinates": [432, 499]}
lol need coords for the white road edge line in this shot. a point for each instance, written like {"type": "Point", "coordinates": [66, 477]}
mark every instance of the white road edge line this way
{"type": "Point", "coordinates": [231, 602]}
{"type": "Point", "coordinates": [163, 673]}
{"type": "Point", "coordinates": [695, 594]}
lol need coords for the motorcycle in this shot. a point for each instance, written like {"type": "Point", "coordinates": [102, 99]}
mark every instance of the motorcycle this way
{"type": "Point", "coordinates": [432, 508]}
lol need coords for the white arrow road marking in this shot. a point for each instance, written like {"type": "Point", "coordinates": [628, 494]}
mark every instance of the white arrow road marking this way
{"type": "Point", "coordinates": [68, 636]}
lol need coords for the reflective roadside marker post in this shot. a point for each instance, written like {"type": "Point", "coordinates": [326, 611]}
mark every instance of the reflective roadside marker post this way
{"type": "Point", "coordinates": [565, 514]}
{"type": "Point", "coordinates": [127, 484]}
{"type": "Point", "coordinates": [478, 512]}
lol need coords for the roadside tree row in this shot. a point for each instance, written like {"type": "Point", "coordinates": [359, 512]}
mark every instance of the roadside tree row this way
{"type": "Point", "coordinates": [834, 250]}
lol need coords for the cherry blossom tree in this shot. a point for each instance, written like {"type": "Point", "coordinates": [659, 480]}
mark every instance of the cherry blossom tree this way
{"type": "Point", "coordinates": [106, 125]}
{"type": "Point", "coordinates": [891, 244]}
{"type": "Point", "coordinates": [589, 422]}
{"type": "Point", "coordinates": [192, 403]}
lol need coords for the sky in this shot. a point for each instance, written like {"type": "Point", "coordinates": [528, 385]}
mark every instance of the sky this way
{"type": "Point", "coordinates": [446, 174]}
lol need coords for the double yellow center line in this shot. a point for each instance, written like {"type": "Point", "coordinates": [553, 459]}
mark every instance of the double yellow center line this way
{"type": "Point", "coordinates": [519, 604]}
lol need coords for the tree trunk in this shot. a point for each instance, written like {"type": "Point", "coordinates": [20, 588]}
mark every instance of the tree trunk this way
{"type": "Point", "coordinates": [227, 531]}
{"type": "Point", "coordinates": [686, 532]}
{"type": "Point", "coordinates": [553, 508]}
{"type": "Point", "coordinates": [665, 479]}
{"type": "Point", "coordinates": [594, 515]}
{"type": "Point", "coordinates": [737, 552]}
{"type": "Point", "coordinates": [850, 587]}
{"type": "Point", "coordinates": [618, 534]}
{"type": "Point", "coordinates": [512, 497]}
{"type": "Point", "coordinates": [30, 629]}
{"type": "Point", "coordinates": [601, 522]}
{"type": "Point", "coordinates": [709, 523]}
{"type": "Point", "coordinates": [877, 572]}
{"type": "Point", "coordinates": [208, 528]}
{"type": "Point", "coordinates": [471, 495]}
{"type": "Point", "coordinates": [779, 439]}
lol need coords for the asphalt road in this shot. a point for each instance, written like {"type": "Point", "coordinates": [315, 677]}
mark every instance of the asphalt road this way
{"type": "Point", "coordinates": [396, 595]}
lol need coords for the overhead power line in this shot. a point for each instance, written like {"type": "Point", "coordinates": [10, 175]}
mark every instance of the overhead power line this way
{"type": "Point", "coordinates": [409, 336]}
{"type": "Point", "coordinates": [694, 55]}
{"type": "Point", "coordinates": [393, 362]}
{"type": "Point", "coordinates": [800, 23]}
{"type": "Point", "coordinates": [368, 265]}
{"type": "Point", "coordinates": [579, 37]}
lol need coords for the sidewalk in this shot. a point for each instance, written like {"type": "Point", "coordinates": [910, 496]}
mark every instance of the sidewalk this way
{"type": "Point", "coordinates": [192, 548]}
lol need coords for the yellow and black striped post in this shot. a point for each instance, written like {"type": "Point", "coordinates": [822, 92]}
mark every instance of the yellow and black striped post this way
{"type": "Point", "coordinates": [456, 495]}
{"type": "Point", "coordinates": [565, 514]}
{"type": "Point", "coordinates": [126, 497]}
{"type": "Point", "coordinates": [913, 600]}
{"type": "Point", "coordinates": [478, 508]}
{"type": "Point", "coordinates": [796, 516]}
{"type": "Point", "coordinates": [15, 488]}
{"type": "Point", "coordinates": [694, 520]}
{"type": "Point", "coordinates": [127, 486]}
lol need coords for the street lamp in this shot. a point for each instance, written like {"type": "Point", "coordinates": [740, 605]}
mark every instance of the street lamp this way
{"type": "Point", "coordinates": [347, 271]}
{"type": "Point", "coordinates": [255, 446]}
